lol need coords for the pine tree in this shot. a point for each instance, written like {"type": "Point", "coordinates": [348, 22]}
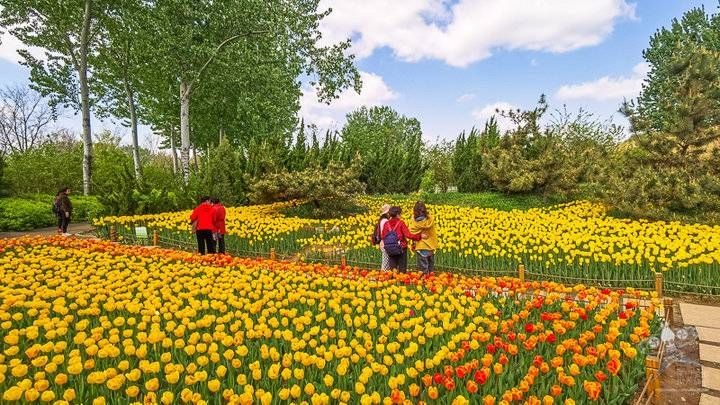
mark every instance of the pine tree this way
{"type": "Point", "coordinates": [223, 177]}
{"type": "Point", "coordinates": [299, 152]}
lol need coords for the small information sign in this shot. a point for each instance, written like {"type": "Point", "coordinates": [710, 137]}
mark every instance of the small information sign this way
{"type": "Point", "coordinates": [141, 232]}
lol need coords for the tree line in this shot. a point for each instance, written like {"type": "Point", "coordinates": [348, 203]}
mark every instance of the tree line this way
{"type": "Point", "coordinates": [235, 67]}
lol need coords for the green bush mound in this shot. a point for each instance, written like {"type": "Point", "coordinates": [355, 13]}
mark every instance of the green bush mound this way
{"type": "Point", "coordinates": [35, 211]}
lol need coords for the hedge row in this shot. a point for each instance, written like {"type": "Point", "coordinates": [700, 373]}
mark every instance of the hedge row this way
{"type": "Point", "coordinates": [35, 211]}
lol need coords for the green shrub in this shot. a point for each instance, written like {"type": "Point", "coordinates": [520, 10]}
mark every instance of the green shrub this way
{"type": "Point", "coordinates": [18, 214]}
{"type": "Point", "coordinates": [330, 192]}
{"type": "Point", "coordinates": [129, 196]}
{"type": "Point", "coordinates": [35, 211]}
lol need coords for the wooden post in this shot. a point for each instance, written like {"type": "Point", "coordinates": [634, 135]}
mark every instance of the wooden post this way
{"type": "Point", "coordinates": [659, 284]}
{"type": "Point", "coordinates": [156, 238]}
{"type": "Point", "coordinates": [113, 234]}
{"type": "Point", "coordinates": [343, 261]}
{"type": "Point", "coordinates": [521, 272]}
{"type": "Point", "coordinates": [652, 365]}
{"type": "Point", "coordinates": [272, 254]}
{"type": "Point", "coordinates": [669, 310]}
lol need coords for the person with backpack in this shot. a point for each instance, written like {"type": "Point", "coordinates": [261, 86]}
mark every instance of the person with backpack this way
{"type": "Point", "coordinates": [202, 220]}
{"type": "Point", "coordinates": [395, 235]}
{"type": "Point", "coordinates": [62, 208]}
{"type": "Point", "coordinates": [377, 236]}
{"type": "Point", "coordinates": [218, 224]}
{"type": "Point", "coordinates": [424, 248]}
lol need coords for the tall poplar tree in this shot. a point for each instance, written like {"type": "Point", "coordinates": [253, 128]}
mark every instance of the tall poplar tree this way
{"type": "Point", "coordinates": [67, 31]}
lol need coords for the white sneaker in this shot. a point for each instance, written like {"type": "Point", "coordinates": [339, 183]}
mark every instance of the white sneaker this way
{"type": "Point", "coordinates": [67, 234]}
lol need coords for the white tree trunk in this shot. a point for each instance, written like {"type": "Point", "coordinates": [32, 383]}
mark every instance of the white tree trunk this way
{"type": "Point", "coordinates": [173, 148]}
{"type": "Point", "coordinates": [134, 131]}
{"type": "Point", "coordinates": [85, 102]}
{"type": "Point", "coordinates": [185, 131]}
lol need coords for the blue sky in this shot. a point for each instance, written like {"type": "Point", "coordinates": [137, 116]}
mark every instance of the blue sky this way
{"type": "Point", "coordinates": [450, 63]}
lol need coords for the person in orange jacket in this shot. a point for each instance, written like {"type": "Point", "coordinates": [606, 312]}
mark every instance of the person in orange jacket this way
{"type": "Point", "coordinates": [202, 220]}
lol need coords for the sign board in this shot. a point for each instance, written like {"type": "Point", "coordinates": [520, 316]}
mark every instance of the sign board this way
{"type": "Point", "coordinates": [141, 232]}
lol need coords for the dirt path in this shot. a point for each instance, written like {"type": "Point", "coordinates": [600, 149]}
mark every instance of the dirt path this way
{"type": "Point", "coordinates": [78, 228]}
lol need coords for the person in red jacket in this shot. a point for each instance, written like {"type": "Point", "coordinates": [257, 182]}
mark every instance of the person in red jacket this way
{"type": "Point", "coordinates": [400, 237]}
{"type": "Point", "coordinates": [202, 220]}
{"type": "Point", "coordinates": [219, 224]}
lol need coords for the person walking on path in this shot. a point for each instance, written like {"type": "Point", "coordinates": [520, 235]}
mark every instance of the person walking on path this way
{"type": "Point", "coordinates": [63, 210]}
{"type": "Point", "coordinates": [377, 236]}
{"type": "Point", "coordinates": [395, 235]}
{"type": "Point", "coordinates": [202, 220]}
{"type": "Point", "coordinates": [219, 224]}
{"type": "Point", "coordinates": [425, 248]}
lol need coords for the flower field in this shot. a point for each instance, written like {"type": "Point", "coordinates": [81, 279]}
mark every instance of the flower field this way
{"type": "Point", "coordinates": [574, 242]}
{"type": "Point", "coordinates": [97, 322]}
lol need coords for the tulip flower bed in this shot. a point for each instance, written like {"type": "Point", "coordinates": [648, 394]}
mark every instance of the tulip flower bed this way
{"type": "Point", "coordinates": [95, 322]}
{"type": "Point", "coordinates": [573, 242]}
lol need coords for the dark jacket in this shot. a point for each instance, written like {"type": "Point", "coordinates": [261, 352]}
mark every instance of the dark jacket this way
{"type": "Point", "coordinates": [401, 229]}
{"type": "Point", "coordinates": [64, 204]}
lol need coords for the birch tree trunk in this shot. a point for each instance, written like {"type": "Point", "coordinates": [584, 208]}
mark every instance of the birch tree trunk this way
{"type": "Point", "coordinates": [173, 149]}
{"type": "Point", "coordinates": [85, 101]}
{"type": "Point", "coordinates": [185, 131]}
{"type": "Point", "coordinates": [134, 130]}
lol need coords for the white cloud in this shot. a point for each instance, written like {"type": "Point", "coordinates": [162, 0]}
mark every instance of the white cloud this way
{"type": "Point", "coordinates": [466, 97]}
{"type": "Point", "coordinates": [374, 92]}
{"type": "Point", "coordinates": [460, 33]}
{"type": "Point", "coordinates": [486, 112]}
{"type": "Point", "coordinates": [9, 46]}
{"type": "Point", "coordinates": [606, 88]}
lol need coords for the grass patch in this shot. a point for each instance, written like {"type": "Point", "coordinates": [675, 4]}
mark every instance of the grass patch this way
{"type": "Point", "coordinates": [503, 202]}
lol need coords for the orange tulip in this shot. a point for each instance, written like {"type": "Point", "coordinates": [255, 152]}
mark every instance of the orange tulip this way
{"type": "Point", "coordinates": [613, 366]}
{"type": "Point", "coordinates": [593, 389]}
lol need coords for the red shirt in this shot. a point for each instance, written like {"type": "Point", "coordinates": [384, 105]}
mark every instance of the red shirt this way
{"type": "Point", "coordinates": [203, 213]}
{"type": "Point", "coordinates": [401, 229]}
{"type": "Point", "coordinates": [219, 218]}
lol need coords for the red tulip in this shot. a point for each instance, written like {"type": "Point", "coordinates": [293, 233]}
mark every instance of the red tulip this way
{"type": "Point", "coordinates": [481, 376]}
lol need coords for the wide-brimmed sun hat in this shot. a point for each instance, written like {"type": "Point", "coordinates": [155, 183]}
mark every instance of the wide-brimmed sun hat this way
{"type": "Point", "coordinates": [385, 209]}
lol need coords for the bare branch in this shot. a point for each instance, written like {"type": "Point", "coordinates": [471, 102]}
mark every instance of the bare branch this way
{"type": "Point", "coordinates": [217, 52]}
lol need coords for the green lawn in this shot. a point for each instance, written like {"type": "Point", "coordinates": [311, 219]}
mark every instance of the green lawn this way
{"type": "Point", "coordinates": [498, 201]}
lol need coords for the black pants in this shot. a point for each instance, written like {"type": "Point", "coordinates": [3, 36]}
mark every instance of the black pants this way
{"type": "Point", "coordinates": [205, 239]}
{"type": "Point", "coordinates": [63, 222]}
{"type": "Point", "coordinates": [220, 243]}
{"type": "Point", "coordinates": [426, 264]}
{"type": "Point", "coordinates": [398, 262]}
